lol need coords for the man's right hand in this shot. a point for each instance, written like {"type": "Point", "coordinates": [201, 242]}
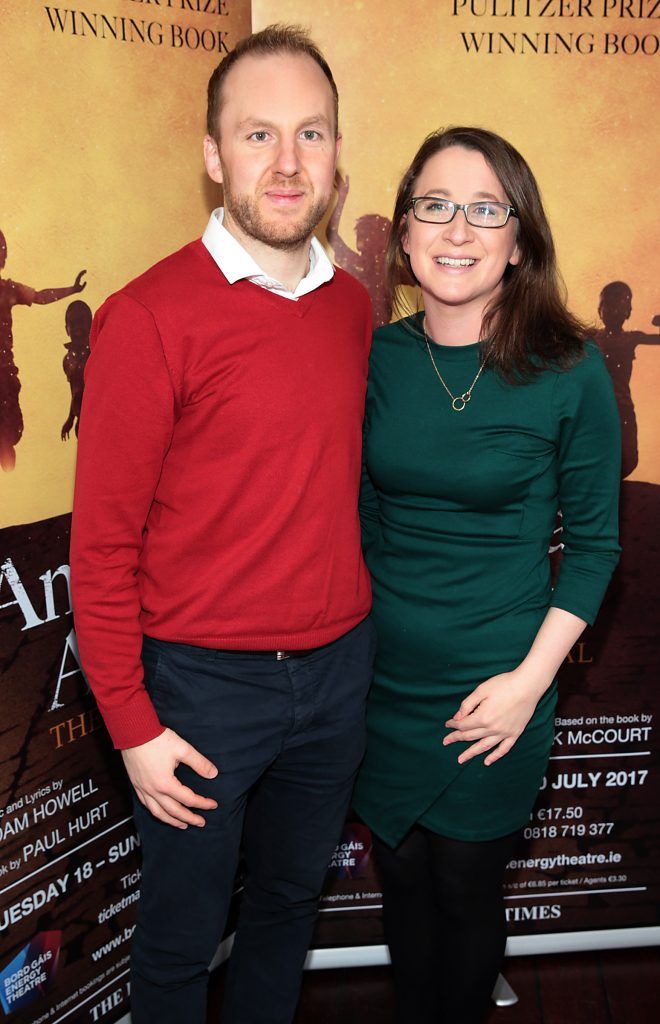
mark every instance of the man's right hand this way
{"type": "Point", "coordinates": [151, 768]}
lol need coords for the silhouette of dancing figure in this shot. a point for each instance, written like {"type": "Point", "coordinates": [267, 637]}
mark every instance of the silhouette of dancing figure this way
{"type": "Point", "coordinates": [618, 347]}
{"type": "Point", "coordinates": [78, 321]}
{"type": "Point", "coordinates": [14, 294]}
{"type": "Point", "coordinates": [368, 263]}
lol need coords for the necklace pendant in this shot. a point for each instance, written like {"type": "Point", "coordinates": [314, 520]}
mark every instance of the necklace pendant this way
{"type": "Point", "coordinates": [458, 402]}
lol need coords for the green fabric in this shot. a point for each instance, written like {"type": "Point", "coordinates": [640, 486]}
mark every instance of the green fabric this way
{"type": "Point", "coordinates": [457, 511]}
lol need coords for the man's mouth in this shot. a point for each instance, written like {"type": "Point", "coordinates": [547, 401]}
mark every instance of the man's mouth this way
{"type": "Point", "coordinates": [284, 196]}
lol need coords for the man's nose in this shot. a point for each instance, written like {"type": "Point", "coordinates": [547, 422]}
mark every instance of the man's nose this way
{"type": "Point", "coordinates": [287, 158]}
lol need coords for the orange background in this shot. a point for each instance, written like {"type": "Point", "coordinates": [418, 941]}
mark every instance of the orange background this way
{"type": "Point", "coordinates": [587, 125]}
{"type": "Point", "coordinates": [100, 166]}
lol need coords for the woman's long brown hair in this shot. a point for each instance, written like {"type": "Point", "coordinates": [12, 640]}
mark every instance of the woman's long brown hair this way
{"type": "Point", "coordinates": [527, 328]}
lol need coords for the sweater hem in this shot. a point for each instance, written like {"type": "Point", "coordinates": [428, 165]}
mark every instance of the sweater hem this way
{"type": "Point", "coordinates": [263, 641]}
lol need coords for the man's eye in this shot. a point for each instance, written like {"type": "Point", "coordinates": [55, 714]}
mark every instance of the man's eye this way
{"type": "Point", "coordinates": [310, 135]}
{"type": "Point", "coordinates": [259, 136]}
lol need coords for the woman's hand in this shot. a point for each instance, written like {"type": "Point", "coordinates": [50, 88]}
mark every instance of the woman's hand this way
{"type": "Point", "coordinates": [494, 715]}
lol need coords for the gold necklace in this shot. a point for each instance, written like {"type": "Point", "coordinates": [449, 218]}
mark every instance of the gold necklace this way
{"type": "Point", "coordinates": [458, 402]}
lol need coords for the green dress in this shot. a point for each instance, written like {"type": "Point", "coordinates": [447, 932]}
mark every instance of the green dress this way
{"type": "Point", "coordinates": [458, 509]}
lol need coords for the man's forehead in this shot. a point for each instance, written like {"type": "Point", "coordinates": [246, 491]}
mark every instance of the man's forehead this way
{"type": "Point", "coordinates": [304, 116]}
{"type": "Point", "coordinates": [269, 80]}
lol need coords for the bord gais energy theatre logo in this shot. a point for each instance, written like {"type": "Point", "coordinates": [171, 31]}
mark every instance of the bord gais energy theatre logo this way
{"type": "Point", "coordinates": [352, 853]}
{"type": "Point", "coordinates": [27, 977]}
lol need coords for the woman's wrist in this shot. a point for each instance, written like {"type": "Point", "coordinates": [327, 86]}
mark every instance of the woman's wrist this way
{"type": "Point", "coordinates": [535, 676]}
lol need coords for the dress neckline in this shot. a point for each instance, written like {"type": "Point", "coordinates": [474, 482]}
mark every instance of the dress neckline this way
{"type": "Point", "coordinates": [447, 353]}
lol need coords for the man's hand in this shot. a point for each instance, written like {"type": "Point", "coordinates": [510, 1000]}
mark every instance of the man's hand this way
{"type": "Point", "coordinates": [151, 768]}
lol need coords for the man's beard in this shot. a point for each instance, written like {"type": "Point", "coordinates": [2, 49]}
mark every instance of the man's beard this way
{"type": "Point", "coordinates": [283, 235]}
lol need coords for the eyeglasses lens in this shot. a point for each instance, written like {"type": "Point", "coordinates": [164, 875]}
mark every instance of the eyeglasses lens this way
{"type": "Point", "coordinates": [441, 211]}
{"type": "Point", "coordinates": [487, 215]}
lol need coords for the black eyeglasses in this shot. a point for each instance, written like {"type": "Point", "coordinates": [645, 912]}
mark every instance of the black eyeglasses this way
{"type": "Point", "coordinates": [484, 214]}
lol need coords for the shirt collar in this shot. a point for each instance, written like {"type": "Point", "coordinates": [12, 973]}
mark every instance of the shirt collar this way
{"type": "Point", "coordinates": [236, 263]}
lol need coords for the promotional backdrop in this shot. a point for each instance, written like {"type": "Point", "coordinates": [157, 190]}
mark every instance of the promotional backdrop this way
{"type": "Point", "coordinates": [101, 174]}
{"type": "Point", "coordinates": [573, 84]}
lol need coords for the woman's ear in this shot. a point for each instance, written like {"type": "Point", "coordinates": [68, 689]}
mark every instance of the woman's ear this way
{"type": "Point", "coordinates": [403, 234]}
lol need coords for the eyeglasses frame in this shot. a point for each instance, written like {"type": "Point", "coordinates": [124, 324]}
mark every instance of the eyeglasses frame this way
{"type": "Point", "coordinates": [510, 211]}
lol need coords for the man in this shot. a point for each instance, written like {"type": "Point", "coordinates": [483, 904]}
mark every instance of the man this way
{"type": "Point", "coordinates": [14, 294]}
{"type": "Point", "coordinates": [78, 323]}
{"type": "Point", "coordinates": [216, 544]}
{"type": "Point", "coordinates": [368, 264]}
{"type": "Point", "coordinates": [620, 350]}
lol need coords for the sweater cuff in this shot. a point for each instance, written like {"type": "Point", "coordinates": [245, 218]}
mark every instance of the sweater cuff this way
{"type": "Point", "coordinates": [132, 724]}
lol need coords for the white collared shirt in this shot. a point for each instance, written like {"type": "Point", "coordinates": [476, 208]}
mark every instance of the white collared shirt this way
{"type": "Point", "coordinates": [236, 263]}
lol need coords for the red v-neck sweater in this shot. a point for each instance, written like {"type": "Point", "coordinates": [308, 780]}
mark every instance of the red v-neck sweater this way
{"type": "Point", "coordinates": [218, 472]}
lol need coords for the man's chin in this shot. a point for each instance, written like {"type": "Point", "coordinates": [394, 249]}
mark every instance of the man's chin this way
{"type": "Point", "coordinates": [285, 230]}
{"type": "Point", "coordinates": [286, 238]}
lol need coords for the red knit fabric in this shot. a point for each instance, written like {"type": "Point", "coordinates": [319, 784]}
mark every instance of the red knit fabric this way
{"type": "Point", "coordinates": [218, 472]}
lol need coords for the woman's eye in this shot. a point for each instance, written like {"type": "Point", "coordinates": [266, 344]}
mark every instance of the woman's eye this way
{"type": "Point", "coordinates": [486, 210]}
{"type": "Point", "coordinates": [435, 206]}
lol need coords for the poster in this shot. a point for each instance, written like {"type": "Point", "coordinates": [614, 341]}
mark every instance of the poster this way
{"type": "Point", "coordinates": [573, 85]}
{"type": "Point", "coordinates": [101, 174]}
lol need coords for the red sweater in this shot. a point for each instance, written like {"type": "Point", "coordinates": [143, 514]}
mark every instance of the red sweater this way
{"type": "Point", "coordinates": [218, 472]}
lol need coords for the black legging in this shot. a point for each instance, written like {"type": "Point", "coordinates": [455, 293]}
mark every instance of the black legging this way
{"type": "Point", "coordinates": [443, 913]}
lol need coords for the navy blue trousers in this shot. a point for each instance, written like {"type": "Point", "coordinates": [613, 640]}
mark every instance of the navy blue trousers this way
{"type": "Point", "coordinates": [287, 737]}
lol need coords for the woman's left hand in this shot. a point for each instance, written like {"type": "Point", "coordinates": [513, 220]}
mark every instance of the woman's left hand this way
{"type": "Point", "coordinates": [494, 715]}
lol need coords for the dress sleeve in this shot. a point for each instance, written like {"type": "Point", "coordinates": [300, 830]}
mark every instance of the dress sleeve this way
{"type": "Point", "coordinates": [369, 504]}
{"type": "Point", "coordinates": [589, 456]}
{"type": "Point", "coordinates": [126, 426]}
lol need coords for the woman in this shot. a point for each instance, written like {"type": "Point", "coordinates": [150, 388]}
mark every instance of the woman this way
{"type": "Point", "coordinates": [485, 414]}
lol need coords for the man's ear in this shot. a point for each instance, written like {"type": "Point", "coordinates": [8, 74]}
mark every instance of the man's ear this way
{"type": "Point", "coordinates": [212, 159]}
{"type": "Point", "coordinates": [338, 142]}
